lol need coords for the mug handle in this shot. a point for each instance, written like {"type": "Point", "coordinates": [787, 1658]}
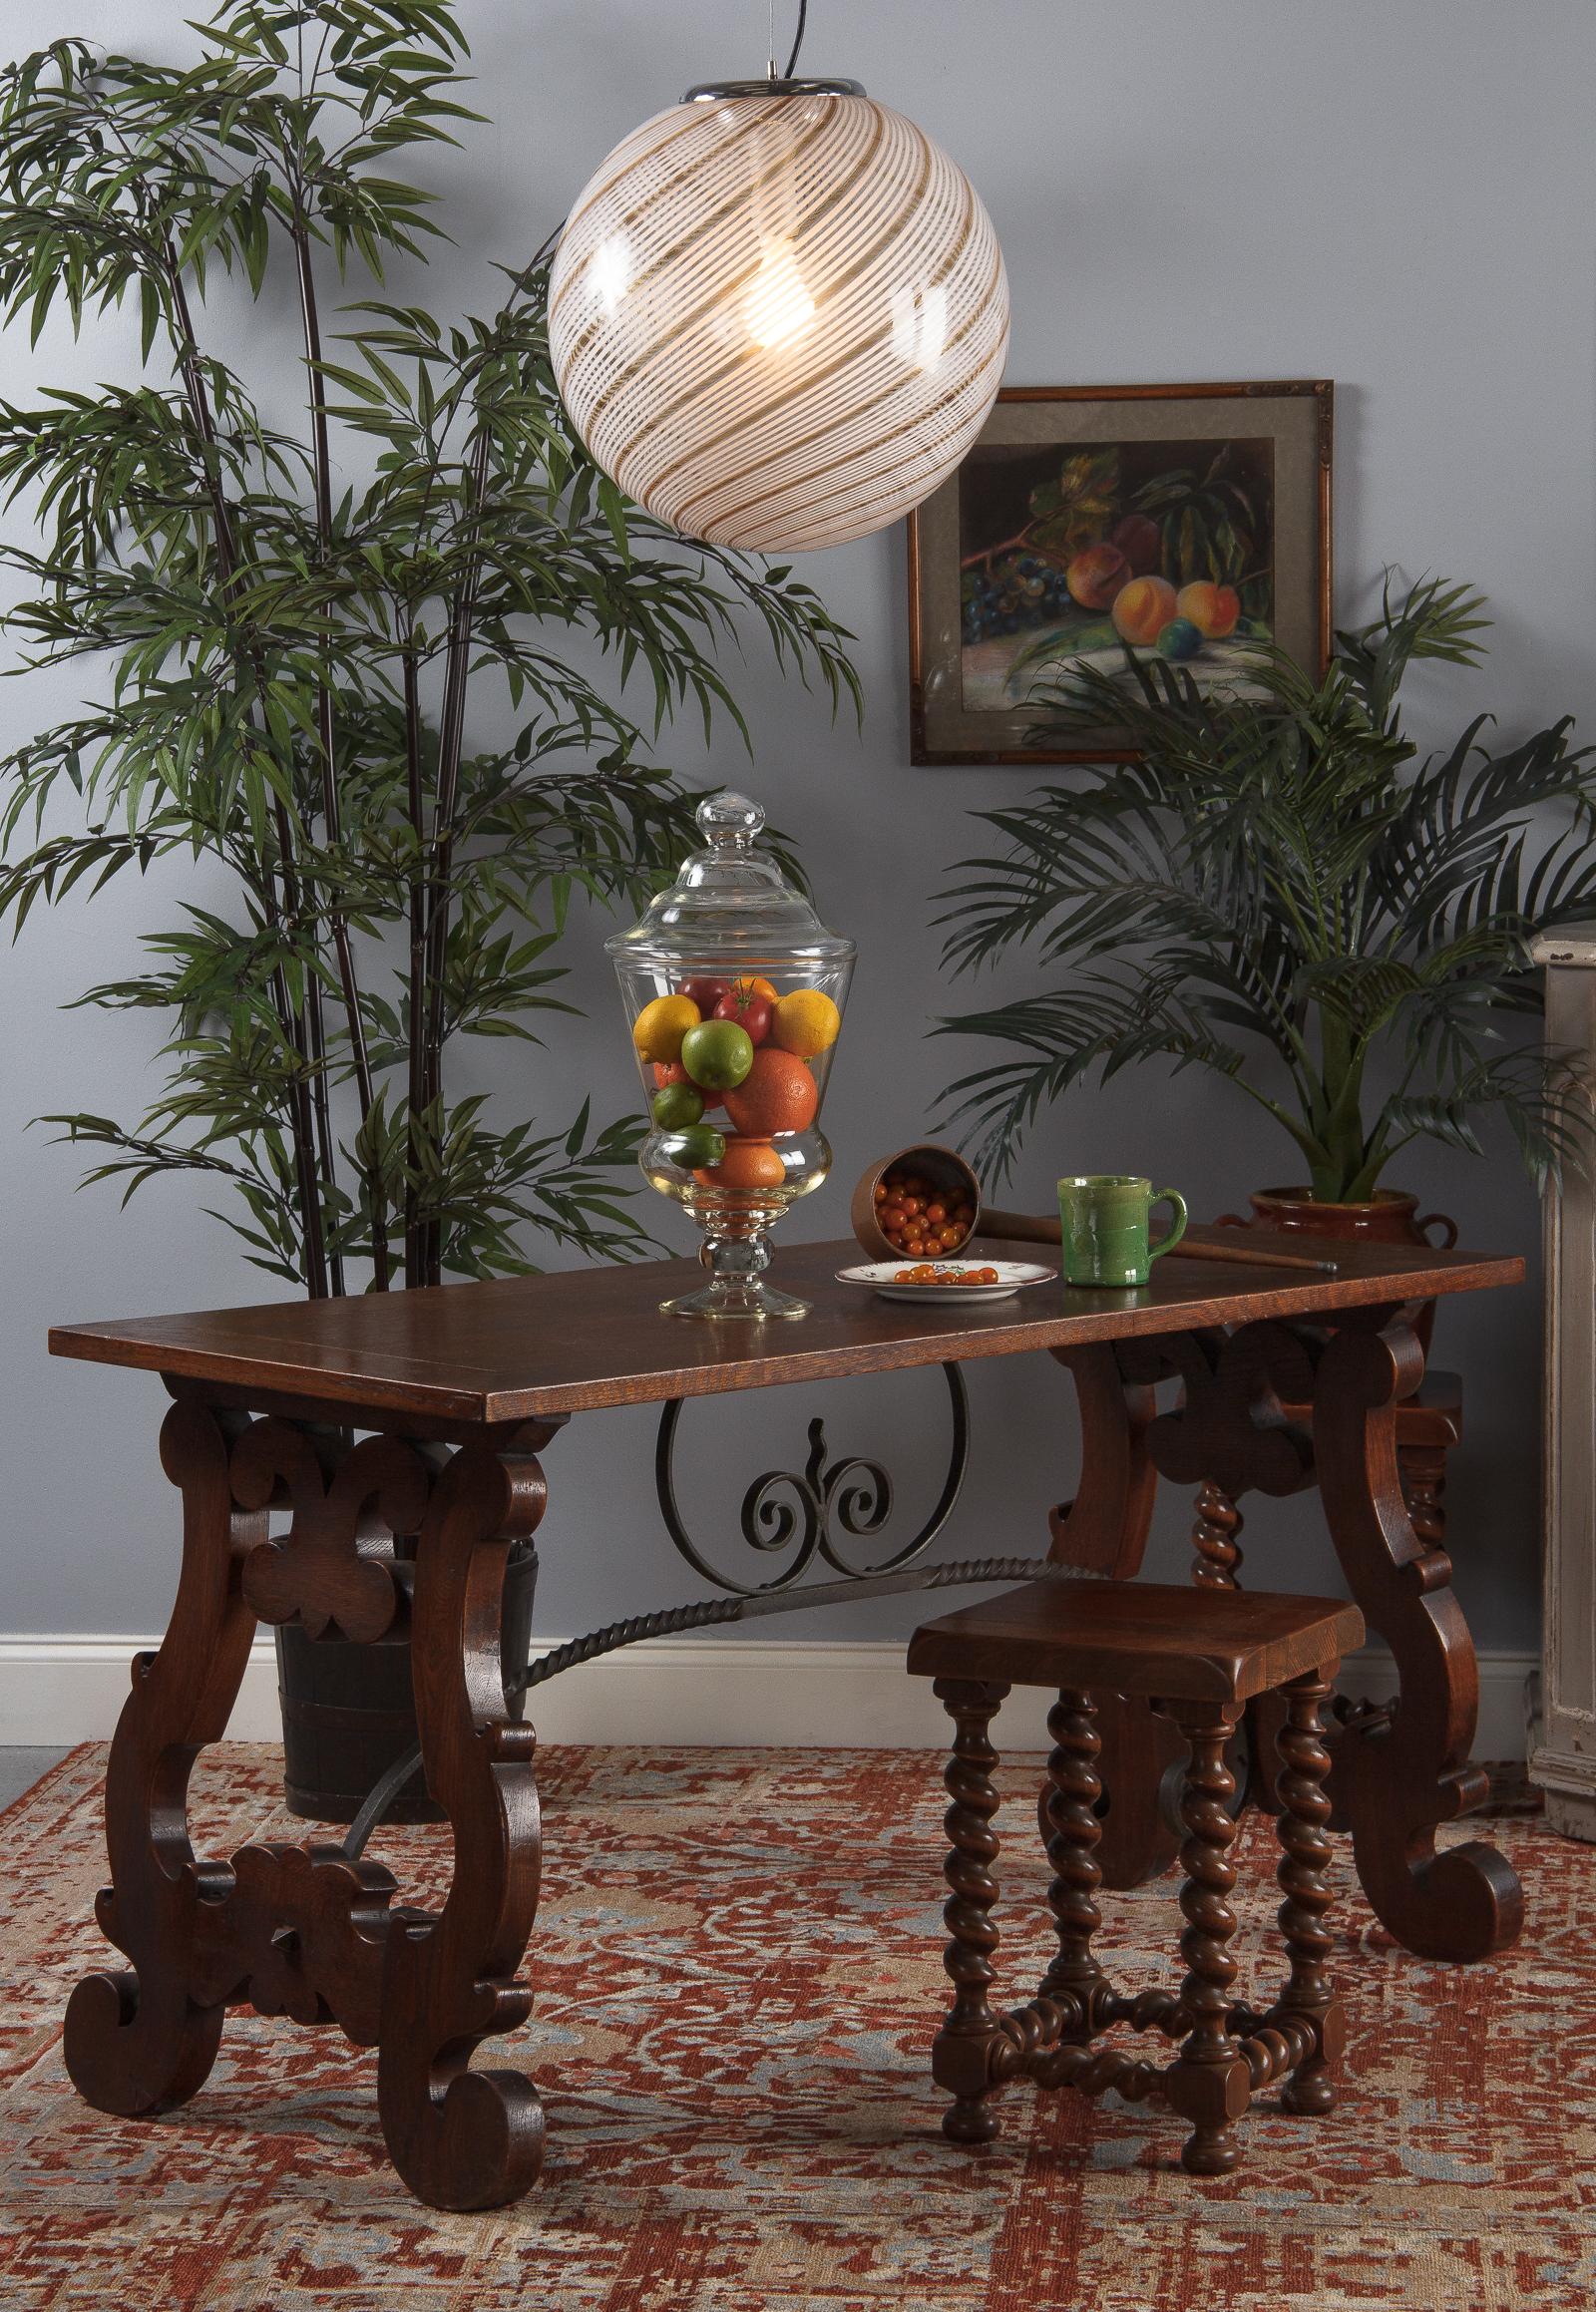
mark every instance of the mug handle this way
{"type": "Point", "coordinates": [1174, 1197]}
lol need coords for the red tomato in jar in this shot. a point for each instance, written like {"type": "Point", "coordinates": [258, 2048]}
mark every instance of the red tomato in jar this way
{"type": "Point", "coordinates": [706, 994]}
{"type": "Point", "coordinates": [750, 1011]}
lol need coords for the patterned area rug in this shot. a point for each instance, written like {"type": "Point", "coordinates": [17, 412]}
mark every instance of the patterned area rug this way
{"type": "Point", "coordinates": [737, 1972]}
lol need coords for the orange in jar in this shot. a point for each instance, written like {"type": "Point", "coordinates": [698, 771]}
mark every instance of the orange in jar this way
{"type": "Point", "coordinates": [748, 1165]}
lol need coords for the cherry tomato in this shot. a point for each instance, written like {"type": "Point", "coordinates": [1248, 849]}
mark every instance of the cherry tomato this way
{"type": "Point", "coordinates": [935, 1210]}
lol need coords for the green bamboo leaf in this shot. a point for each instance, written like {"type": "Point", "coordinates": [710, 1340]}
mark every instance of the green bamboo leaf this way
{"type": "Point", "coordinates": [181, 543]}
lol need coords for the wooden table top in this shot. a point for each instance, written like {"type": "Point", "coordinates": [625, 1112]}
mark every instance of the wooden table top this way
{"type": "Point", "coordinates": [528, 1347]}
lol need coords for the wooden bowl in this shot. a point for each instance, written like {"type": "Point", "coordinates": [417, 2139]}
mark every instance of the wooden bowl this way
{"type": "Point", "coordinates": [942, 1167]}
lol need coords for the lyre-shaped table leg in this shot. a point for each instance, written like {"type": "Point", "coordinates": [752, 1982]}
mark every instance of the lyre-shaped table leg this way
{"type": "Point", "coordinates": [463, 2138]}
{"type": "Point", "coordinates": [140, 2042]}
{"type": "Point", "coordinates": [1399, 1780]}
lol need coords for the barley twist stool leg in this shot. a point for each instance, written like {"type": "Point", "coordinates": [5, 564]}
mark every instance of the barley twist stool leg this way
{"type": "Point", "coordinates": [1074, 1789]}
{"type": "Point", "coordinates": [1213, 1534]}
{"type": "Point", "coordinates": [960, 2059]}
{"type": "Point", "coordinates": [1305, 1857]}
{"type": "Point", "coordinates": [1210, 2083]}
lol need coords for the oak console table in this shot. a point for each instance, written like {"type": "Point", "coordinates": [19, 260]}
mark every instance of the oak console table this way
{"type": "Point", "coordinates": [420, 1417]}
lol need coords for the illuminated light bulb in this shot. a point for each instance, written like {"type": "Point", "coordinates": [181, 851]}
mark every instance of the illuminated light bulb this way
{"type": "Point", "coordinates": [778, 315]}
{"type": "Point", "coordinates": [779, 307]}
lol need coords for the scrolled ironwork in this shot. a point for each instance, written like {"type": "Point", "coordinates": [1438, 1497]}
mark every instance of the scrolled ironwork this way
{"type": "Point", "coordinates": [812, 1511]}
{"type": "Point", "coordinates": [853, 1496]}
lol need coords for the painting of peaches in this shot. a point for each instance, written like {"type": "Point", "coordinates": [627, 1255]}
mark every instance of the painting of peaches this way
{"type": "Point", "coordinates": [1090, 552]}
{"type": "Point", "coordinates": [1110, 529]}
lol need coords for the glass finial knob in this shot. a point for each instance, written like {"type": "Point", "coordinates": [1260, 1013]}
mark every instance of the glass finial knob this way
{"type": "Point", "coordinates": [729, 819]}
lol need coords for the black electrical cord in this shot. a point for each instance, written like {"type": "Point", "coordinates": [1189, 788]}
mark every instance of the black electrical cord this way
{"type": "Point", "coordinates": [792, 61]}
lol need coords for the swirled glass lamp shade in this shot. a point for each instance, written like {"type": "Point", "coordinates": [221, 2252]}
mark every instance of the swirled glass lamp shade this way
{"type": "Point", "coordinates": [778, 315]}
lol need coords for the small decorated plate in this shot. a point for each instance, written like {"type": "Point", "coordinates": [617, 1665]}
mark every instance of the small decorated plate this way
{"type": "Point", "coordinates": [945, 1280]}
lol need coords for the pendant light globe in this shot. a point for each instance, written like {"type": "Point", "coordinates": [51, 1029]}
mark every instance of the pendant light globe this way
{"type": "Point", "coordinates": [778, 315]}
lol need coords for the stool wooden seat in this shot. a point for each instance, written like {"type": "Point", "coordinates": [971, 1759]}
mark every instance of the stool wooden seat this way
{"type": "Point", "coordinates": [1198, 1656]}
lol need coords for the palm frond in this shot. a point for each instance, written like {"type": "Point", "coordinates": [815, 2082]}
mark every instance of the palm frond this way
{"type": "Point", "coordinates": [1289, 876]}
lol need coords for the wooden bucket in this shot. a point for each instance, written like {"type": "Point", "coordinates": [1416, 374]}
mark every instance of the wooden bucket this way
{"type": "Point", "coordinates": [348, 1711]}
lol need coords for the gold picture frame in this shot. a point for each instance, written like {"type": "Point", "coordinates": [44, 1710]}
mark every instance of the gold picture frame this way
{"type": "Point", "coordinates": [1013, 567]}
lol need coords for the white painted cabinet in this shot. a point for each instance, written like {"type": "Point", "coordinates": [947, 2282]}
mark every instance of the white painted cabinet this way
{"type": "Point", "coordinates": [1563, 1758]}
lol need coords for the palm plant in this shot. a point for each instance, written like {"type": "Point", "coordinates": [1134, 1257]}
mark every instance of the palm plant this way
{"type": "Point", "coordinates": [295, 623]}
{"type": "Point", "coordinates": [1280, 876]}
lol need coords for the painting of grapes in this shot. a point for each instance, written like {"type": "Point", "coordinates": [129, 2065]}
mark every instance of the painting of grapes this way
{"type": "Point", "coordinates": [1117, 529]}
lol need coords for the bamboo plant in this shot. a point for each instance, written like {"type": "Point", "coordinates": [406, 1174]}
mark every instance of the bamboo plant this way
{"type": "Point", "coordinates": [297, 628]}
{"type": "Point", "coordinates": [1281, 890]}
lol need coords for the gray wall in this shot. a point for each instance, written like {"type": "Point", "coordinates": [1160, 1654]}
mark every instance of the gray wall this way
{"type": "Point", "coordinates": [1393, 197]}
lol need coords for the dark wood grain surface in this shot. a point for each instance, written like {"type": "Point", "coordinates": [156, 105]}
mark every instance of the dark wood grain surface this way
{"type": "Point", "coordinates": [533, 1346]}
{"type": "Point", "coordinates": [1140, 1638]}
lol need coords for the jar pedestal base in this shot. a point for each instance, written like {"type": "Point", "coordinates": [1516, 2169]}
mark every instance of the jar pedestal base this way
{"type": "Point", "coordinates": [738, 1298]}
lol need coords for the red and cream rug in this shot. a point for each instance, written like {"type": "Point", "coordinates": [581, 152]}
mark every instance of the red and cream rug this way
{"type": "Point", "coordinates": [737, 1972]}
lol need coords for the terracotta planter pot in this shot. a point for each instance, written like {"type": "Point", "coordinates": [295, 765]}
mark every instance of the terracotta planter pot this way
{"type": "Point", "coordinates": [1390, 1217]}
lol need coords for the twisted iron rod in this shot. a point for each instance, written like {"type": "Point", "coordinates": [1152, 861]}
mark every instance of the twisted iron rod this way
{"type": "Point", "coordinates": [670, 1620]}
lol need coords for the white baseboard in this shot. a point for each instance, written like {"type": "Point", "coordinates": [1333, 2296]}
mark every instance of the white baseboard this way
{"type": "Point", "coordinates": [734, 1691]}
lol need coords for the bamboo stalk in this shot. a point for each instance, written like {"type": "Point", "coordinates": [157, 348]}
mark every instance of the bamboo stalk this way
{"type": "Point", "coordinates": [303, 1099]}
{"type": "Point", "coordinates": [331, 815]}
{"type": "Point", "coordinates": [416, 1019]}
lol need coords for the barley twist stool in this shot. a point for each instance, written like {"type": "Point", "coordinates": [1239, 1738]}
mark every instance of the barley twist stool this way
{"type": "Point", "coordinates": [1200, 1657]}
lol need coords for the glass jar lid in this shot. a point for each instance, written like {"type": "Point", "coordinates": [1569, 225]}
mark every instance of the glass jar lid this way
{"type": "Point", "coordinates": [730, 899]}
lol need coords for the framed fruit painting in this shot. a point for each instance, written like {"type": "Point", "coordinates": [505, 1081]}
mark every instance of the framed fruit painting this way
{"type": "Point", "coordinates": [1102, 524]}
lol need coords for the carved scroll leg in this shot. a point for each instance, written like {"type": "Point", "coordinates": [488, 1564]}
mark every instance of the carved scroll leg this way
{"type": "Point", "coordinates": [1303, 1864]}
{"type": "Point", "coordinates": [961, 2056]}
{"type": "Point", "coordinates": [463, 2138]}
{"type": "Point", "coordinates": [140, 2042]}
{"type": "Point", "coordinates": [1399, 1779]}
{"type": "Point", "coordinates": [1210, 2083]}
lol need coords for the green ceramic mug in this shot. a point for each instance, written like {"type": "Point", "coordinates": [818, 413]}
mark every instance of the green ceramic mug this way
{"type": "Point", "coordinates": [1104, 1216]}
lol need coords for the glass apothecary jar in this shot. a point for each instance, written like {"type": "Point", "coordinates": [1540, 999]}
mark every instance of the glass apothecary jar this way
{"type": "Point", "coordinates": [735, 992]}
